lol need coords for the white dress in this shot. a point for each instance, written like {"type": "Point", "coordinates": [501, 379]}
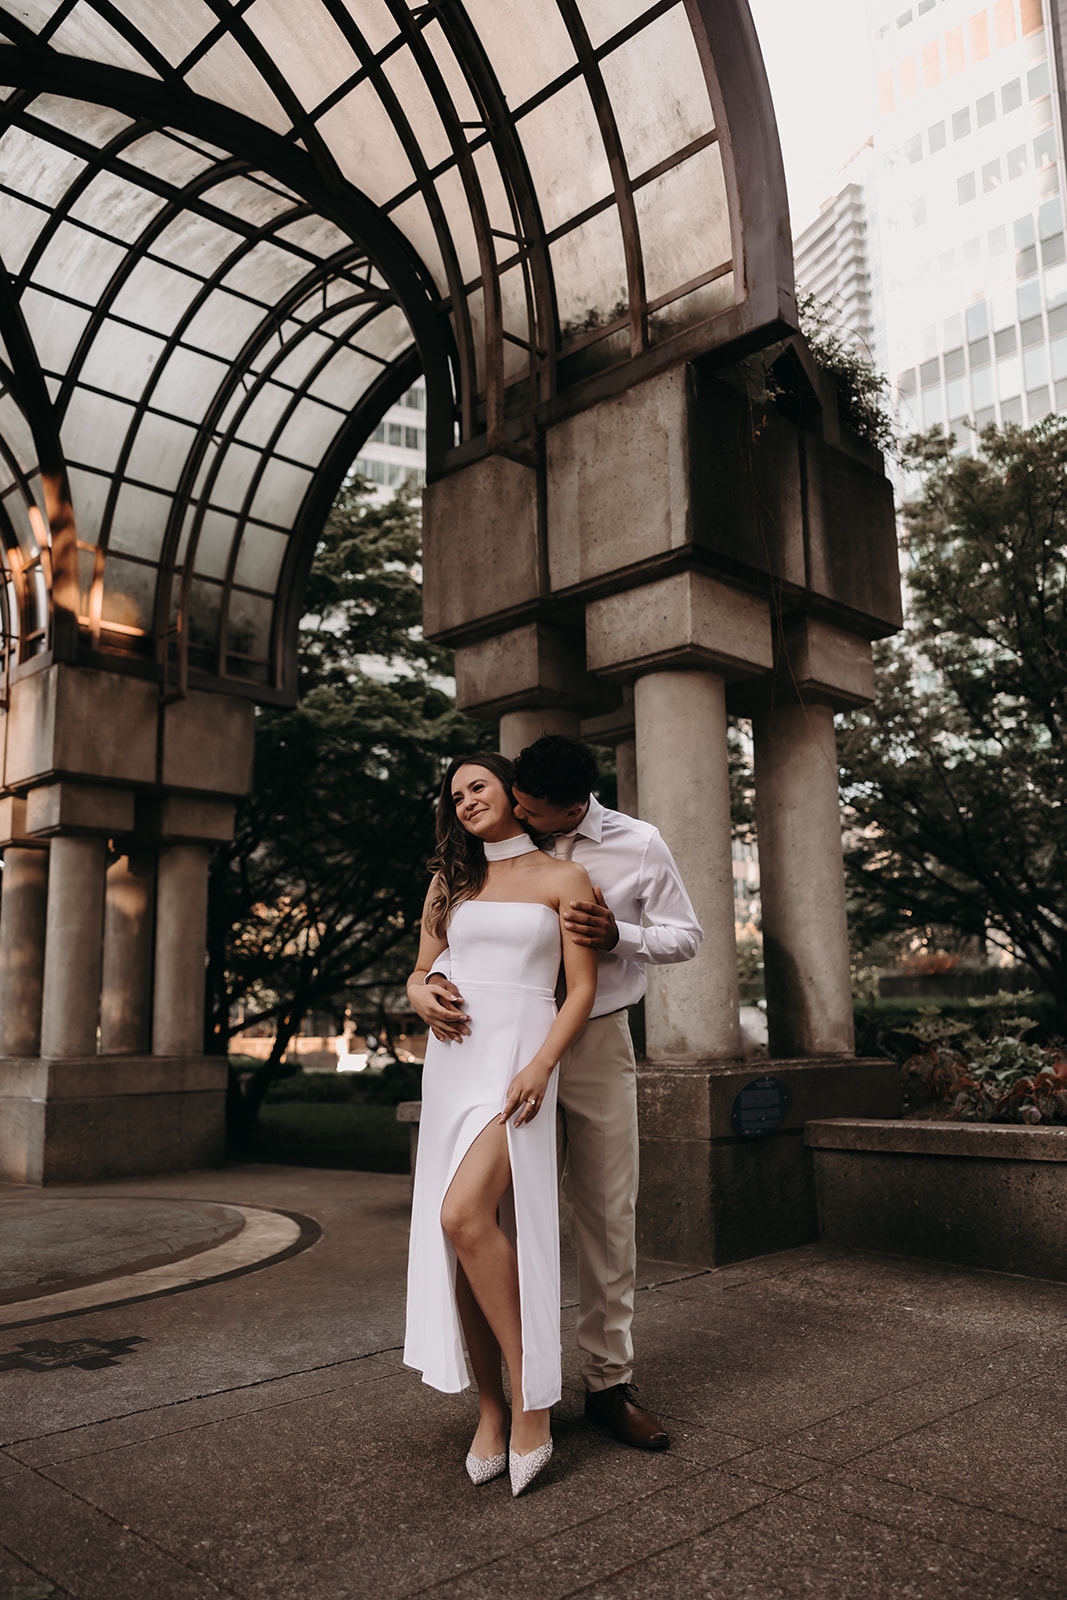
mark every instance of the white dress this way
{"type": "Point", "coordinates": [505, 959]}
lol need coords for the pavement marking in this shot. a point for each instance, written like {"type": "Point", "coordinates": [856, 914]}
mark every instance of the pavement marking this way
{"type": "Point", "coordinates": [266, 1235]}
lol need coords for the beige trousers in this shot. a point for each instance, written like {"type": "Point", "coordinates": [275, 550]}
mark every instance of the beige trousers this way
{"type": "Point", "coordinates": [598, 1113]}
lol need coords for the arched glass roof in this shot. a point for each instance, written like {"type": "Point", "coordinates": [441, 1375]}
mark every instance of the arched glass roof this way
{"type": "Point", "coordinates": [232, 234]}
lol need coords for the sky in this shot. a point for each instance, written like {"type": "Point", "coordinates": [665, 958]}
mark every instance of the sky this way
{"type": "Point", "coordinates": [818, 63]}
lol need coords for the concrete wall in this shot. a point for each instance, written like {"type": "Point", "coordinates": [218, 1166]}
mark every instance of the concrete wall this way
{"type": "Point", "coordinates": [980, 1195]}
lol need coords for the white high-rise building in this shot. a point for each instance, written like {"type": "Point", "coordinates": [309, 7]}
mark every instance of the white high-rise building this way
{"type": "Point", "coordinates": [836, 257]}
{"type": "Point", "coordinates": [968, 170]}
{"type": "Point", "coordinates": [396, 450]}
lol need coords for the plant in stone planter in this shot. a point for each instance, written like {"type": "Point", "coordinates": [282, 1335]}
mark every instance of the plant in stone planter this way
{"type": "Point", "coordinates": [1001, 1078]}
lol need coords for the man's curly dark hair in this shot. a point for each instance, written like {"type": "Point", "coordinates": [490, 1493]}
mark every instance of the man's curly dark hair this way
{"type": "Point", "coordinates": [557, 769]}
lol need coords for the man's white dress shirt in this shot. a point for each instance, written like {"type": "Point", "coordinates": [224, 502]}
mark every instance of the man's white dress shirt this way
{"type": "Point", "coordinates": [629, 862]}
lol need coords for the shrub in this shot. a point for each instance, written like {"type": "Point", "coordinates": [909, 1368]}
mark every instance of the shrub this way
{"type": "Point", "coordinates": [987, 1075]}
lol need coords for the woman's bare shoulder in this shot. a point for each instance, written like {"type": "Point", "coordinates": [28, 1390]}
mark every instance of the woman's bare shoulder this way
{"type": "Point", "coordinates": [574, 882]}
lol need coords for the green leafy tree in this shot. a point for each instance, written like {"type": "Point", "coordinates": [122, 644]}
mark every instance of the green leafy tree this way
{"type": "Point", "coordinates": [321, 889]}
{"type": "Point", "coordinates": [956, 778]}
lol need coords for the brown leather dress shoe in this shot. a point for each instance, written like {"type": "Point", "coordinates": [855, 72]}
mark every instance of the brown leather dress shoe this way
{"type": "Point", "coordinates": [618, 1411]}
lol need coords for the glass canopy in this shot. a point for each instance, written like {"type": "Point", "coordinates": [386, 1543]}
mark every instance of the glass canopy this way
{"type": "Point", "coordinates": [233, 233]}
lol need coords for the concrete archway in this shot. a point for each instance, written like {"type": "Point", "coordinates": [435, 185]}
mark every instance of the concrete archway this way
{"type": "Point", "coordinates": [231, 237]}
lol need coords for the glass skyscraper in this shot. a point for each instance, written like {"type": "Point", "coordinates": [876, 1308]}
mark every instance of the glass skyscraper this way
{"type": "Point", "coordinates": [969, 161]}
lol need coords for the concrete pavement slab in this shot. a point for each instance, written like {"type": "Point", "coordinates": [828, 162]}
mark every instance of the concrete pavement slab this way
{"type": "Point", "coordinates": [786, 1548]}
{"type": "Point", "coordinates": [258, 1437]}
{"type": "Point", "coordinates": [860, 1429]}
{"type": "Point", "coordinates": [1005, 1453]}
{"type": "Point", "coordinates": [939, 1517]}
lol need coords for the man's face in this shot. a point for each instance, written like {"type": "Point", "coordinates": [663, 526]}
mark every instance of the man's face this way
{"type": "Point", "coordinates": [544, 817]}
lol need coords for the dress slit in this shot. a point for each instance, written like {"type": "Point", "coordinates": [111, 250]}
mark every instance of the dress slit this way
{"type": "Point", "coordinates": [464, 1085]}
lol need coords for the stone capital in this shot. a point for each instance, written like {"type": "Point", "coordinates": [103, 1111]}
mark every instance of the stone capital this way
{"type": "Point", "coordinates": [79, 808]}
{"type": "Point", "coordinates": [186, 819]}
{"type": "Point", "coordinates": [529, 667]}
{"type": "Point", "coordinates": [686, 620]}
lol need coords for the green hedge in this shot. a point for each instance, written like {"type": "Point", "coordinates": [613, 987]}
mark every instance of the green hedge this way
{"type": "Point", "coordinates": [886, 1028]}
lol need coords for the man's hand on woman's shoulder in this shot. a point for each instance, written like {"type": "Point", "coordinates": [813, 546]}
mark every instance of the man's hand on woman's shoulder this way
{"type": "Point", "coordinates": [592, 922]}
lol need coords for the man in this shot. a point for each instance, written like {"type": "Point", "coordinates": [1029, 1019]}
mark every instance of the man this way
{"type": "Point", "coordinates": [641, 915]}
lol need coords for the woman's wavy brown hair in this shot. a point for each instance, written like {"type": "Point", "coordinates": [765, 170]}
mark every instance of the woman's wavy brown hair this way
{"type": "Point", "coordinates": [458, 864]}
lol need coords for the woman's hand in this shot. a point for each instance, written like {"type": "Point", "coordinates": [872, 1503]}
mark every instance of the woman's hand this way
{"type": "Point", "coordinates": [525, 1093]}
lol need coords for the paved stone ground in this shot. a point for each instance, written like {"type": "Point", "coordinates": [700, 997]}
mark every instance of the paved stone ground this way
{"type": "Point", "coordinates": [843, 1425]}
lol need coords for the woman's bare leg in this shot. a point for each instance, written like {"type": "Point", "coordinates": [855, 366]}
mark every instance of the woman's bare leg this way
{"type": "Point", "coordinates": [469, 1217]}
{"type": "Point", "coordinates": [484, 1351]}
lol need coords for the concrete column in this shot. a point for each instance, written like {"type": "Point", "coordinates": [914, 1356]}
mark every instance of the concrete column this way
{"type": "Point", "coordinates": [520, 728]}
{"type": "Point", "coordinates": [692, 1009]}
{"type": "Point", "coordinates": [73, 944]}
{"type": "Point", "coordinates": [181, 931]}
{"type": "Point", "coordinates": [23, 919]}
{"type": "Point", "coordinates": [802, 885]}
{"type": "Point", "coordinates": [626, 776]}
{"type": "Point", "coordinates": [126, 996]}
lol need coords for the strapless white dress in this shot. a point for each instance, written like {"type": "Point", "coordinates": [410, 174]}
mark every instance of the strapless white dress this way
{"type": "Point", "coordinates": [505, 959]}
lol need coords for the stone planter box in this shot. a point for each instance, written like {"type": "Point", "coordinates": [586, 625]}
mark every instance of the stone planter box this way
{"type": "Point", "coordinates": [978, 1194]}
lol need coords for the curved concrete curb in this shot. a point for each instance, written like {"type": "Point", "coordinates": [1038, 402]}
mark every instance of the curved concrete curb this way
{"type": "Point", "coordinates": [266, 1238]}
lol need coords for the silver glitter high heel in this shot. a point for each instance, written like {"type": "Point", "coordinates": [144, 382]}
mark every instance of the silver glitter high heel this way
{"type": "Point", "coordinates": [484, 1471]}
{"type": "Point", "coordinates": [524, 1469]}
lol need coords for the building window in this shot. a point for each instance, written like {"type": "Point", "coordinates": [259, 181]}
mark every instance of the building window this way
{"type": "Point", "coordinates": [1052, 250]}
{"type": "Point", "coordinates": [1037, 82]}
{"type": "Point", "coordinates": [1011, 411]}
{"type": "Point", "coordinates": [953, 363]}
{"type": "Point", "coordinates": [396, 433]}
{"type": "Point", "coordinates": [1035, 368]}
{"type": "Point", "coordinates": [1009, 377]}
{"type": "Point", "coordinates": [978, 350]}
{"type": "Point", "coordinates": [913, 148]}
{"type": "Point", "coordinates": [930, 373]}
{"type": "Point", "coordinates": [1050, 219]}
{"type": "Point", "coordinates": [986, 109]}
{"type": "Point", "coordinates": [961, 123]}
{"type": "Point", "coordinates": [1055, 288]}
{"type": "Point", "coordinates": [1032, 332]}
{"type": "Point", "coordinates": [1026, 262]}
{"type": "Point", "coordinates": [965, 188]}
{"type": "Point", "coordinates": [935, 137]}
{"type": "Point", "coordinates": [1004, 342]}
{"type": "Point", "coordinates": [977, 320]}
{"type": "Point", "coordinates": [1011, 96]}
{"type": "Point", "coordinates": [1045, 149]}
{"type": "Point", "coordinates": [379, 434]}
{"type": "Point", "coordinates": [1028, 300]}
{"type": "Point", "coordinates": [1037, 403]}
{"type": "Point", "coordinates": [982, 387]}
{"type": "Point", "coordinates": [1017, 162]}
{"type": "Point", "coordinates": [991, 178]}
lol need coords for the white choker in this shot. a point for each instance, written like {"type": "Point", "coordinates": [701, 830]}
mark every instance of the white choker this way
{"type": "Point", "coordinates": [520, 845]}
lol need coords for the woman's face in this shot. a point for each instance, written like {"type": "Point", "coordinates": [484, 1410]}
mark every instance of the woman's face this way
{"type": "Point", "coordinates": [481, 802]}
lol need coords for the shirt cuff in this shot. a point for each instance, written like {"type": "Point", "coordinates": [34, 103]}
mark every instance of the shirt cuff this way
{"type": "Point", "coordinates": [630, 942]}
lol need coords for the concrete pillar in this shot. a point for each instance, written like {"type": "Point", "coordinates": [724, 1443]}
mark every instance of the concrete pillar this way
{"type": "Point", "coordinates": [23, 918]}
{"type": "Point", "coordinates": [73, 943]}
{"type": "Point", "coordinates": [126, 996]}
{"type": "Point", "coordinates": [691, 1009]}
{"type": "Point", "coordinates": [181, 927]}
{"type": "Point", "coordinates": [520, 728]}
{"type": "Point", "coordinates": [626, 777]}
{"type": "Point", "coordinates": [802, 886]}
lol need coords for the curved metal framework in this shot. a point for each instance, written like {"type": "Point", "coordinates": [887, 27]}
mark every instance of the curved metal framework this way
{"type": "Point", "coordinates": [232, 231]}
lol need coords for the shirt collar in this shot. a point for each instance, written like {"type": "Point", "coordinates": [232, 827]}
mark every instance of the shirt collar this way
{"type": "Point", "coordinates": [592, 824]}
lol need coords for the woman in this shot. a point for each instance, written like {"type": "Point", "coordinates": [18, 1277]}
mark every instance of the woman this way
{"type": "Point", "coordinates": [484, 1255]}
